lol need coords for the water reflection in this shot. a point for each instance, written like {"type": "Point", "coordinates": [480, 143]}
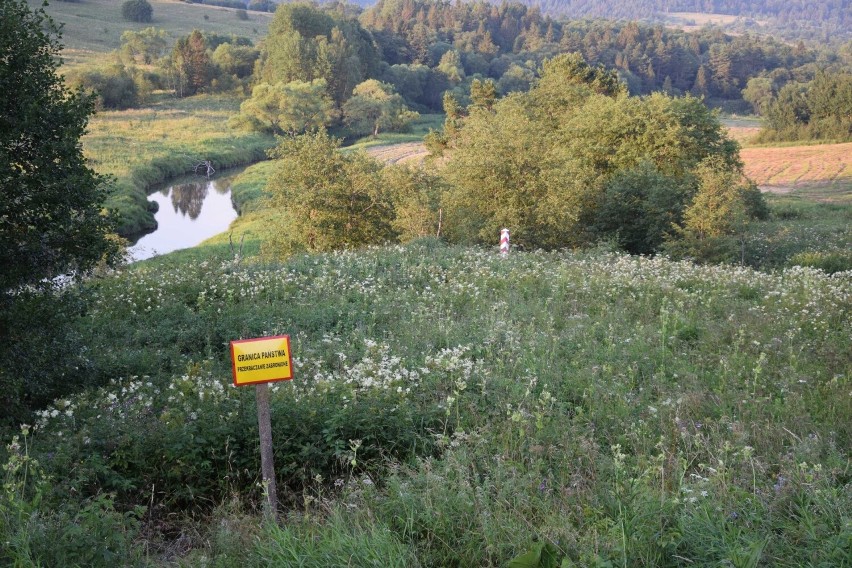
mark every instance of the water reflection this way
{"type": "Point", "coordinates": [188, 198]}
{"type": "Point", "coordinates": [188, 214]}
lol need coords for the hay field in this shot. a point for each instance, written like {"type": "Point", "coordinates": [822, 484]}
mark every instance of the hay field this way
{"type": "Point", "coordinates": [692, 21]}
{"type": "Point", "coordinates": [94, 27]}
{"type": "Point", "coordinates": [813, 169]}
{"type": "Point", "coordinates": [412, 153]}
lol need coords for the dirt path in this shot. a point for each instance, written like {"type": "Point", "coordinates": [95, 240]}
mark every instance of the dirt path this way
{"type": "Point", "coordinates": [407, 153]}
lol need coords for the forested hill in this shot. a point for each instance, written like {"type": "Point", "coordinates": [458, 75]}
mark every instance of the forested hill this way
{"type": "Point", "coordinates": [837, 11]}
{"type": "Point", "coordinates": [820, 19]}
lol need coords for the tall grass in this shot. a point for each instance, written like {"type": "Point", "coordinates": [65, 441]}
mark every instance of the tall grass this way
{"type": "Point", "coordinates": [452, 407]}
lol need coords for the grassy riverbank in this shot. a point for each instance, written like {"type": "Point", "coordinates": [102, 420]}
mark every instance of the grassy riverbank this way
{"type": "Point", "coordinates": [143, 147]}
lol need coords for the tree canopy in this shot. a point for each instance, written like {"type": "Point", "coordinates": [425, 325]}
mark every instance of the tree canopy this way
{"type": "Point", "coordinates": [576, 160]}
{"type": "Point", "coordinates": [51, 223]}
{"type": "Point", "coordinates": [50, 215]}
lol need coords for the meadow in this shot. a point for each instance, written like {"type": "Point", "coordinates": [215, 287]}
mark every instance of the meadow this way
{"type": "Point", "coordinates": [450, 407]}
{"type": "Point", "coordinates": [91, 28]}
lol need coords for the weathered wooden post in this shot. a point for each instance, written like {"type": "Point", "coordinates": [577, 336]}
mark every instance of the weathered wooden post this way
{"type": "Point", "coordinates": [259, 362]}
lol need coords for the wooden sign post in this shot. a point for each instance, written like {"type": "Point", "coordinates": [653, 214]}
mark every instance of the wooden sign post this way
{"type": "Point", "coordinates": [259, 362]}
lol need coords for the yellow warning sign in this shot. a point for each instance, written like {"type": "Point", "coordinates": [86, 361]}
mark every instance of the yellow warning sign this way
{"type": "Point", "coordinates": [261, 360]}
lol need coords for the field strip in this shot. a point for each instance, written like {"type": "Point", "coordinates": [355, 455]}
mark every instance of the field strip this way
{"type": "Point", "coordinates": [408, 152]}
{"type": "Point", "coordinates": [798, 165]}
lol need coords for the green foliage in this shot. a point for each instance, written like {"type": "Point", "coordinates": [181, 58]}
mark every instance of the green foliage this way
{"type": "Point", "coordinates": [417, 198]}
{"type": "Point", "coordinates": [483, 94]}
{"type": "Point", "coordinates": [722, 202]}
{"type": "Point", "coordinates": [50, 217]}
{"type": "Point", "coordinates": [576, 160]}
{"type": "Point", "coordinates": [330, 200]}
{"type": "Point", "coordinates": [90, 532]}
{"type": "Point", "coordinates": [306, 43]}
{"type": "Point", "coordinates": [341, 541]}
{"type": "Point", "coordinates": [830, 262]}
{"type": "Point", "coordinates": [51, 220]}
{"type": "Point", "coordinates": [146, 46]}
{"type": "Point", "coordinates": [137, 10]}
{"type": "Point", "coordinates": [291, 108]}
{"type": "Point", "coordinates": [476, 396]}
{"type": "Point", "coordinates": [235, 60]}
{"type": "Point", "coordinates": [374, 106]}
{"type": "Point", "coordinates": [542, 555]}
{"type": "Point", "coordinates": [190, 67]}
{"type": "Point", "coordinates": [639, 207]}
{"type": "Point", "coordinates": [115, 86]}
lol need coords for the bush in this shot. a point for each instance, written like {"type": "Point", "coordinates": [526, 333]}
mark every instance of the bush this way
{"type": "Point", "coordinates": [137, 11]}
{"type": "Point", "coordinates": [114, 86]}
{"type": "Point", "coordinates": [830, 262]}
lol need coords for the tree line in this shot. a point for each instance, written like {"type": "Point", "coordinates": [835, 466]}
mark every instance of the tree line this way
{"type": "Point", "coordinates": [574, 161]}
{"type": "Point", "coordinates": [824, 20]}
{"type": "Point", "coordinates": [422, 48]}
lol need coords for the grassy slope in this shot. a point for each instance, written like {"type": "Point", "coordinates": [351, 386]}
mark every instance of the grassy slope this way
{"type": "Point", "coordinates": [630, 410]}
{"type": "Point", "coordinates": [94, 27]}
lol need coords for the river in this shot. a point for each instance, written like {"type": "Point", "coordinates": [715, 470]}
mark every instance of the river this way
{"type": "Point", "coordinates": [190, 212]}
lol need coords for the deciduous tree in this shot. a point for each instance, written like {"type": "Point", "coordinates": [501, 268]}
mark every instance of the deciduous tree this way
{"type": "Point", "coordinates": [291, 108]}
{"type": "Point", "coordinates": [51, 222]}
{"type": "Point", "coordinates": [327, 200]}
{"type": "Point", "coordinates": [374, 106]}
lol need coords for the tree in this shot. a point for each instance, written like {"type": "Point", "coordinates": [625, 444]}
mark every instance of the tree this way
{"type": "Point", "coordinates": [293, 108]}
{"type": "Point", "coordinates": [576, 159]}
{"type": "Point", "coordinates": [483, 94]}
{"type": "Point", "coordinates": [375, 106]}
{"type": "Point", "coordinates": [759, 93]}
{"type": "Point", "coordinates": [451, 66]}
{"type": "Point", "coordinates": [137, 11]}
{"type": "Point", "coordinates": [306, 42]}
{"type": "Point", "coordinates": [50, 212]}
{"type": "Point", "coordinates": [191, 63]}
{"type": "Point", "coordinates": [145, 46]}
{"type": "Point", "coordinates": [719, 212]}
{"type": "Point", "coordinates": [113, 85]}
{"type": "Point", "coordinates": [328, 200]}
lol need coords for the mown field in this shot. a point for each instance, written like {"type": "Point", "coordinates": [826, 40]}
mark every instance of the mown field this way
{"type": "Point", "coordinates": [93, 27]}
{"type": "Point", "coordinates": [786, 168]}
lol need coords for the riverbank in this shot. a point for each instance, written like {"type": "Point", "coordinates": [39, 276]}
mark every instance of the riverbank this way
{"type": "Point", "coordinates": [140, 148]}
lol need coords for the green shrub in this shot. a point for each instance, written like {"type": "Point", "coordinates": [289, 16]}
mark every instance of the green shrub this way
{"type": "Point", "coordinates": [137, 10]}
{"type": "Point", "coordinates": [829, 262]}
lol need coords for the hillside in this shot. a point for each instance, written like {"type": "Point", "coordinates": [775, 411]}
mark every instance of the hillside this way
{"type": "Point", "coordinates": [453, 407]}
{"type": "Point", "coordinates": [824, 19]}
{"type": "Point", "coordinates": [94, 27]}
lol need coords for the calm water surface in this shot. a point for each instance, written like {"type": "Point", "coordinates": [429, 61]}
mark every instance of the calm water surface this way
{"type": "Point", "coordinates": [189, 213]}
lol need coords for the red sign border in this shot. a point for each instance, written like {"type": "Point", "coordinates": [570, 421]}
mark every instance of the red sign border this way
{"type": "Point", "coordinates": [234, 360]}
